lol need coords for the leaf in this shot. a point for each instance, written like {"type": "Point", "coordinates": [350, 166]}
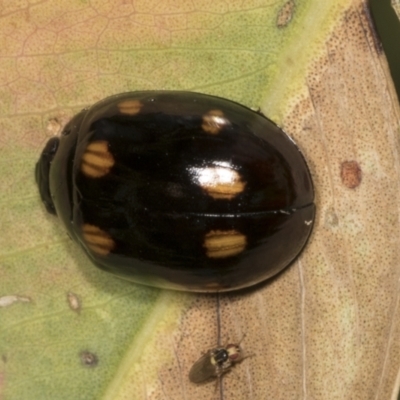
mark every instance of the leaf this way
{"type": "Point", "coordinates": [327, 327]}
{"type": "Point", "coordinates": [396, 6]}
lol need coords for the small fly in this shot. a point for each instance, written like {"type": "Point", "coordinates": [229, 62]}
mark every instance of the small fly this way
{"type": "Point", "coordinates": [215, 363]}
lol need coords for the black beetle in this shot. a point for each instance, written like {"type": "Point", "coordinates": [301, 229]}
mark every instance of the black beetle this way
{"type": "Point", "coordinates": [179, 190]}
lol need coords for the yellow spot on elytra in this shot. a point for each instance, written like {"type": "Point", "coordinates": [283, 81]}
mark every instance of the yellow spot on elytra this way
{"type": "Point", "coordinates": [214, 121]}
{"type": "Point", "coordinates": [213, 286]}
{"type": "Point", "coordinates": [97, 159]}
{"type": "Point", "coordinates": [220, 182]}
{"type": "Point", "coordinates": [97, 240]}
{"type": "Point", "coordinates": [222, 244]}
{"type": "Point", "coordinates": [130, 107]}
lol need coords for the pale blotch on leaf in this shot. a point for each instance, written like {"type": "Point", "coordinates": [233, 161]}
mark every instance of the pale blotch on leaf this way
{"type": "Point", "coordinates": [331, 218]}
{"type": "Point", "coordinates": [73, 302]}
{"type": "Point", "coordinates": [7, 301]}
{"type": "Point", "coordinates": [53, 126]}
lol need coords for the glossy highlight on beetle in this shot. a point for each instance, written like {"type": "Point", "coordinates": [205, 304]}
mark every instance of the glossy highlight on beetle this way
{"type": "Point", "coordinates": [179, 190]}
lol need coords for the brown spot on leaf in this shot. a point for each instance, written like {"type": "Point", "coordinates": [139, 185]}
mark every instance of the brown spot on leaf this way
{"type": "Point", "coordinates": [285, 14]}
{"type": "Point", "coordinates": [351, 175]}
{"type": "Point", "coordinates": [88, 358]}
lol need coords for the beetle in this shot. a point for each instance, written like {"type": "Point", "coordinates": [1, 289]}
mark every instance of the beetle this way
{"type": "Point", "coordinates": [179, 190]}
{"type": "Point", "coordinates": [215, 362]}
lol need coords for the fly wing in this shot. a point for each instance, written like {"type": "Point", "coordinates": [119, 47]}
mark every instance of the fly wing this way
{"type": "Point", "coordinates": [202, 369]}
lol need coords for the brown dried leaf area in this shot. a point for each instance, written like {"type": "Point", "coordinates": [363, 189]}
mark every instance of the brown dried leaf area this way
{"type": "Point", "coordinates": [327, 328]}
{"type": "Point", "coordinates": [350, 289]}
